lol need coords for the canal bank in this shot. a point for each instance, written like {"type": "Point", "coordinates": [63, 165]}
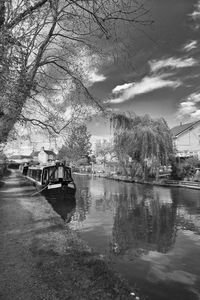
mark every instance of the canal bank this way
{"type": "Point", "coordinates": [42, 258]}
{"type": "Point", "coordinates": [162, 182]}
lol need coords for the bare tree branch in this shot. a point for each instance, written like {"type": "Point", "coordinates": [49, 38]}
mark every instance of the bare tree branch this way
{"type": "Point", "coordinates": [25, 13]}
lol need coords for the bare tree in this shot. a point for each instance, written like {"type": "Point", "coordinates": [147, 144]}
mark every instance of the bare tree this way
{"type": "Point", "coordinates": [42, 48]}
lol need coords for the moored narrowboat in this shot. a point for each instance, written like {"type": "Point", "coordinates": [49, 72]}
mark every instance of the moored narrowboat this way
{"type": "Point", "coordinates": [52, 178]}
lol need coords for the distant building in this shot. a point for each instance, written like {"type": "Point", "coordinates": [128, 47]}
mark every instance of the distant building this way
{"type": "Point", "coordinates": [46, 156]}
{"type": "Point", "coordinates": [34, 155]}
{"type": "Point", "coordinates": [186, 139]}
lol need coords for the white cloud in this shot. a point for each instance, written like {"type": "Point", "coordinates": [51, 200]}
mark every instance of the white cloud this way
{"type": "Point", "coordinates": [186, 108]}
{"type": "Point", "coordinates": [93, 76]}
{"type": "Point", "coordinates": [196, 13]}
{"type": "Point", "coordinates": [189, 46]}
{"type": "Point", "coordinates": [122, 87]}
{"type": "Point", "coordinates": [171, 62]}
{"type": "Point", "coordinates": [196, 114]}
{"type": "Point", "coordinates": [194, 97]}
{"type": "Point", "coordinates": [195, 16]}
{"type": "Point", "coordinates": [147, 84]}
{"type": "Point", "coordinates": [190, 107]}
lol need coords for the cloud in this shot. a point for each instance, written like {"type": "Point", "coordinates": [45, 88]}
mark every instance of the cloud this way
{"type": "Point", "coordinates": [189, 107]}
{"type": "Point", "coordinates": [190, 45]}
{"type": "Point", "coordinates": [93, 77]}
{"type": "Point", "coordinates": [195, 15]}
{"type": "Point", "coordinates": [186, 108]}
{"type": "Point", "coordinates": [196, 114]}
{"type": "Point", "coordinates": [147, 84]}
{"type": "Point", "coordinates": [122, 87]}
{"type": "Point", "coordinates": [172, 62]}
{"type": "Point", "coordinates": [194, 97]}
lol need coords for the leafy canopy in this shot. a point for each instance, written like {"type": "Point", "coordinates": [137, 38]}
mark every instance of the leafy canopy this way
{"type": "Point", "coordinates": [77, 145]}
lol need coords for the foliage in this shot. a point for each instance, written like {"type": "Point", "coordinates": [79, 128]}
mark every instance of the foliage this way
{"type": "Point", "coordinates": [182, 169]}
{"type": "Point", "coordinates": [77, 146]}
{"type": "Point", "coordinates": [93, 159]}
{"type": "Point", "coordinates": [44, 48]}
{"type": "Point", "coordinates": [103, 147]}
{"type": "Point", "coordinates": [146, 141]}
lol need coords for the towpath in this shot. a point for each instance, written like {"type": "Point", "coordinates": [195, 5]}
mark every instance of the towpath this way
{"type": "Point", "coordinates": [41, 258]}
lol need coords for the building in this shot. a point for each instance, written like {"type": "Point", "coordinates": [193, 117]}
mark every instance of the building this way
{"type": "Point", "coordinates": [34, 155]}
{"type": "Point", "coordinates": [46, 156]}
{"type": "Point", "coordinates": [186, 139]}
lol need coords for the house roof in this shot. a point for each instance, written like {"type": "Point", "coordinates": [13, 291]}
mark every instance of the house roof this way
{"type": "Point", "coordinates": [181, 128]}
{"type": "Point", "coordinates": [49, 152]}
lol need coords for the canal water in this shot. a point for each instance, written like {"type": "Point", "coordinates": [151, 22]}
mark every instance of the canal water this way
{"type": "Point", "coordinates": [151, 234]}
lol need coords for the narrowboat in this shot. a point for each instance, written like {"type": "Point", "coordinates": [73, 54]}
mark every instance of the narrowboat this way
{"type": "Point", "coordinates": [23, 168]}
{"type": "Point", "coordinates": [53, 178]}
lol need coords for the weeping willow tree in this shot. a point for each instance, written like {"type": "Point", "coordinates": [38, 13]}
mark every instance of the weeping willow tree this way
{"type": "Point", "coordinates": [147, 141]}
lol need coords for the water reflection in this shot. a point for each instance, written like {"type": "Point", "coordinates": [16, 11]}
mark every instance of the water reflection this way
{"type": "Point", "coordinates": [83, 195]}
{"type": "Point", "coordinates": [144, 226]}
{"type": "Point", "coordinates": [63, 204]}
{"type": "Point", "coordinates": [150, 232]}
{"type": "Point", "coordinates": [136, 218]}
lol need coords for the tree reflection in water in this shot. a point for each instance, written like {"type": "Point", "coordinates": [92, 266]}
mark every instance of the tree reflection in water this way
{"type": "Point", "coordinates": [83, 196]}
{"type": "Point", "coordinates": [141, 226]}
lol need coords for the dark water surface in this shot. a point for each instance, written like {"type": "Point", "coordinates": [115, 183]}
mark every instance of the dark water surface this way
{"type": "Point", "coordinates": [151, 233]}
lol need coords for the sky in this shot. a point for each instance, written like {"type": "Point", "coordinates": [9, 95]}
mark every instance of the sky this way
{"type": "Point", "coordinates": [157, 70]}
{"type": "Point", "coordinates": [159, 74]}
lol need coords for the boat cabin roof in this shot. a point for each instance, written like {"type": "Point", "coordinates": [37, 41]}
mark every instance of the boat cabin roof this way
{"type": "Point", "coordinates": [41, 167]}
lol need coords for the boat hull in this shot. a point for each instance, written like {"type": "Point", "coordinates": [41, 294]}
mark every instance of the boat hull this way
{"type": "Point", "coordinates": [64, 189]}
{"type": "Point", "coordinates": [55, 189]}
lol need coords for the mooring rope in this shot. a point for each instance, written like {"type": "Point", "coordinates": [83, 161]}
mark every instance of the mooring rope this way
{"type": "Point", "coordinates": [46, 184]}
{"type": "Point", "coordinates": [37, 192]}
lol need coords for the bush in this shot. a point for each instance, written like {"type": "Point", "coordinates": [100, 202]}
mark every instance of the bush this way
{"type": "Point", "coordinates": [184, 168]}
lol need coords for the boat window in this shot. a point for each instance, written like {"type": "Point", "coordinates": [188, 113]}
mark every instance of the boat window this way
{"type": "Point", "coordinates": [56, 174]}
{"type": "Point", "coordinates": [60, 172]}
{"type": "Point", "coordinates": [38, 175]}
{"type": "Point", "coordinates": [45, 176]}
{"type": "Point", "coordinates": [68, 174]}
{"type": "Point", "coordinates": [52, 173]}
{"type": "Point", "coordinates": [33, 174]}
